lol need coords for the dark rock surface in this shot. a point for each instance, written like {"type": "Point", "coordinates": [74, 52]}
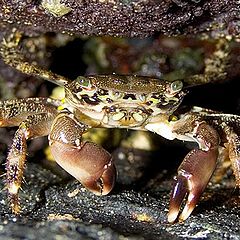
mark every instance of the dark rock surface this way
{"type": "Point", "coordinates": [123, 18]}
{"type": "Point", "coordinates": [59, 208]}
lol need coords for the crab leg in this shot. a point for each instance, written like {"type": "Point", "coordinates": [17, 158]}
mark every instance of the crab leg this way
{"type": "Point", "coordinates": [194, 173]}
{"type": "Point", "coordinates": [34, 126]}
{"type": "Point", "coordinates": [86, 161]}
{"type": "Point", "coordinates": [13, 112]}
{"type": "Point", "coordinates": [34, 117]}
{"type": "Point", "coordinates": [12, 56]}
{"type": "Point", "coordinates": [234, 154]}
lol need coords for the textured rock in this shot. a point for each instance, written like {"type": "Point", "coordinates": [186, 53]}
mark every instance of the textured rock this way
{"type": "Point", "coordinates": [123, 18]}
{"type": "Point", "coordinates": [58, 208]}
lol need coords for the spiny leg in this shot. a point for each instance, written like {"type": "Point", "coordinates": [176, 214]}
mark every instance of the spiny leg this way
{"type": "Point", "coordinates": [13, 112]}
{"type": "Point", "coordinates": [34, 117]}
{"type": "Point", "coordinates": [216, 65]}
{"type": "Point", "coordinates": [194, 173]}
{"type": "Point", "coordinates": [12, 56]}
{"type": "Point", "coordinates": [223, 166]}
{"type": "Point", "coordinates": [234, 153]}
{"type": "Point", "coordinates": [86, 161]}
{"type": "Point", "coordinates": [34, 126]}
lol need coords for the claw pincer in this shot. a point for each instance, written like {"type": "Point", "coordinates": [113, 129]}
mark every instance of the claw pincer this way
{"type": "Point", "coordinates": [194, 172]}
{"type": "Point", "coordinates": [88, 162]}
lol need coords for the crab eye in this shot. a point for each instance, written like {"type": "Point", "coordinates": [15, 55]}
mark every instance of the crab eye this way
{"type": "Point", "coordinates": [84, 82]}
{"type": "Point", "coordinates": [115, 95]}
{"type": "Point", "coordinates": [176, 86]}
{"type": "Point", "coordinates": [142, 97]}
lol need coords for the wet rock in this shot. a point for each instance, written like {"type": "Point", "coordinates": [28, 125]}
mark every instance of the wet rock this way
{"type": "Point", "coordinates": [53, 206]}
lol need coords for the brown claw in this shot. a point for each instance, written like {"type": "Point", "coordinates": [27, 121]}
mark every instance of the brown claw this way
{"type": "Point", "coordinates": [89, 163]}
{"type": "Point", "coordinates": [193, 175]}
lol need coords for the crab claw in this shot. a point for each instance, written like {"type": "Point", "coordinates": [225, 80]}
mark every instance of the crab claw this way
{"type": "Point", "coordinates": [89, 163]}
{"type": "Point", "coordinates": [194, 174]}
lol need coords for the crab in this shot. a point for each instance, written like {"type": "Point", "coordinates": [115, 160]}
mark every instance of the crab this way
{"type": "Point", "coordinates": [114, 101]}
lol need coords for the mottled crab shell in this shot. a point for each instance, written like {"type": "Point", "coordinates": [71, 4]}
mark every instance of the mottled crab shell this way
{"type": "Point", "coordinates": [123, 101]}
